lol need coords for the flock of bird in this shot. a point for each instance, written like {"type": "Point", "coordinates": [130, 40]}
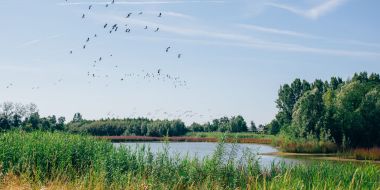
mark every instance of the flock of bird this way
{"type": "Point", "coordinates": [159, 113]}
{"type": "Point", "coordinates": [158, 75]}
{"type": "Point", "coordinates": [113, 28]}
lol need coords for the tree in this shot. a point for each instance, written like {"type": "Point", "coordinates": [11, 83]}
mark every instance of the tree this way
{"type": "Point", "coordinates": [307, 113]}
{"type": "Point", "coordinates": [77, 118]}
{"type": "Point", "coordinates": [196, 127]}
{"type": "Point", "coordinates": [274, 127]}
{"type": "Point", "coordinates": [252, 127]}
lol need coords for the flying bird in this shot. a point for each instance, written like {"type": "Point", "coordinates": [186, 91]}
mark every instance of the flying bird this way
{"type": "Point", "coordinates": [167, 49]}
{"type": "Point", "coordinates": [84, 46]}
{"type": "Point", "coordinates": [83, 16]}
{"type": "Point", "coordinates": [113, 2]}
{"type": "Point", "coordinates": [105, 25]}
{"type": "Point", "coordinates": [140, 13]}
{"type": "Point", "coordinates": [71, 52]}
{"type": "Point", "coordinates": [88, 39]}
{"type": "Point", "coordinates": [89, 7]}
{"type": "Point", "coordinates": [157, 30]}
{"type": "Point", "coordinates": [159, 15]}
{"type": "Point", "coordinates": [146, 27]}
{"type": "Point", "coordinates": [129, 15]}
{"type": "Point", "coordinates": [179, 56]}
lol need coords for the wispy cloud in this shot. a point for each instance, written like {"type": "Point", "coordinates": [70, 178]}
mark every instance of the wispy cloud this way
{"type": "Point", "coordinates": [314, 12]}
{"type": "Point", "coordinates": [28, 43]}
{"type": "Point", "coordinates": [139, 2]}
{"type": "Point", "coordinates": [36, 41]}
{"type": "Point", "coordinates": [276, 31]}
{"type": "Point", "coordinates": [235, 39]}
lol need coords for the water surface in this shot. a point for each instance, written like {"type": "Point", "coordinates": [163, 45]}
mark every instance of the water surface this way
{"type": "Point", "coordinates": [202, 149]}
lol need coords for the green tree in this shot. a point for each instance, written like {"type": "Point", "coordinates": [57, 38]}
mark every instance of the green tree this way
{"type": "Point", "coordinates": [77, 118]}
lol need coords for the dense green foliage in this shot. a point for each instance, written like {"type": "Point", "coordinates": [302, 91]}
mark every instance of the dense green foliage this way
{"type": "Point", "coordinates": [26, 117]}
{"type": "Point", "coordinates": [42, 157]}
{"type": "Point", "coordinates": [345, 112]}
{"type": "Point", "coordinates": [224, 124]}
{"type": "Point", "coordinates": [118, 127]}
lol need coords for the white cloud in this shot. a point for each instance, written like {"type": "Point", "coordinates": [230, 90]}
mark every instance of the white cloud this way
{"type": "Point", "coordinates": [139, 2]}
{"type": "Point", "coordinates": [276, 31]}
{"type": "Point", "coordinates": [36, 41]}
{"type": "Point", "coordinates": [214, 37]}
{"type": "Point", "coordinates": [28, 43]}
{"type": "Point", "coordinates": [314, 12]}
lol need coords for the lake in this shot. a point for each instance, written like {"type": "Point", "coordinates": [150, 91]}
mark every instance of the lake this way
{"type": "Point", "coordinates": [202, 149]}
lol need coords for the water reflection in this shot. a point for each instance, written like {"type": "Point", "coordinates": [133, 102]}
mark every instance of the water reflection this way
{"type": "Point", "coordinates": [202, 149]}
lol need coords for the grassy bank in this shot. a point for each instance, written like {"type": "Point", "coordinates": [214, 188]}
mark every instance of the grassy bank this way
{"type": "Point", "coordinates": [57, 160]}
{"type": "Point", "coordinates": [184, 139]}
{"type": "Point", "coordinates": [229, 135]}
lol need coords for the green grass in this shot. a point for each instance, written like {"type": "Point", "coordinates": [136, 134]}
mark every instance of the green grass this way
{"type": "Point", "coordinates": [42, 158]}
{"type": "Point", "coordinates": [228, 135]}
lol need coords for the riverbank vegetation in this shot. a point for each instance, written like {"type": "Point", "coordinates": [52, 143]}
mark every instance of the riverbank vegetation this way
{"type": "Point", "coordinates": [59, 160]}
{"type": "Point", "coordinates": [313, 117]}
{"type": "Point", "coordinates": [345, 113]}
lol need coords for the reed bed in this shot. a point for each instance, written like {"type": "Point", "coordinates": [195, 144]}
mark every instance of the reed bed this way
{"type": "Point", "coordinates": [185, 139]}
{"type": "Point", "coordinates": [63, 161]}
{"type": "Point", "coordinates": [367, 153]}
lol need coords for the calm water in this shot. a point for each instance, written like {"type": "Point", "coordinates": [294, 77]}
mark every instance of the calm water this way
{"type": "Point", "coordinates": [202, 149]}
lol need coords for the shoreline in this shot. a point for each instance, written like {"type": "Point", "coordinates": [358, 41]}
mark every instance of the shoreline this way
{"type": "Point", "coordinates": [184, 139]}
{"type": "Point", "coordinates": [327, 157]}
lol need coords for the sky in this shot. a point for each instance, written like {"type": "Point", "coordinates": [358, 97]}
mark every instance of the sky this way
{"type": "Point", "coordinates": [235, 54]}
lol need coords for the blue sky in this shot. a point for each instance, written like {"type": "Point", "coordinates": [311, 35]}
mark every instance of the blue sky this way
{"type": "Point", "coordinates": [235, 54]}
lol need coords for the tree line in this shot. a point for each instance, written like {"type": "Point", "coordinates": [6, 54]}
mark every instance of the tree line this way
{"type": "Point", "coordinates": [26, 117]}
{"type": "Point", "coordinates": [345, 112]}
{"type": "Point", "coordinates": [224, 124]}
{"type": "Point", "coordinates": [127, 127]}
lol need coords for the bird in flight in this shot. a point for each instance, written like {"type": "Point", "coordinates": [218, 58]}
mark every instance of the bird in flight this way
{"type": "Point", "coordinates": [113, 2]}
{"type": "Point", "coordinates": [129, 15]}
{"type": "Point", "coordinates": [146, 27]}
{"type": "Point", "coordinates": [167, 49]}
{"type": "Point", "coordinates": [83, 16]}
{"type": "Point", "coordinates": [105, 25]}
{"type": "Point", "coordinates": [89, 7]}
{"type": "Point", "coordinates": [71, 52]}
{"type": "Point", "coordinates": [140, 13]}
{"type": "Point", "coordinates": [159, 15]}
{"type": "Point", "coordinates": [157, 30]}
{"type": "Point", "coordinates": [179, 56]}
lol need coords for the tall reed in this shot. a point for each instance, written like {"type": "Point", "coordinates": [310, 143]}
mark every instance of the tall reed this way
{"type": "Point", "coordinates": [43, 159]}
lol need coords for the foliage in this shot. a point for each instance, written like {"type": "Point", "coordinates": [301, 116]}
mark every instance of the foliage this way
{"type": "Point", "coordinates": [26, 117]}
{"type": "Point", "coordinates": [344, 112]}
{"type": "Point", "coordinates": [80, 162]}
{"type": "Point", "coordinates": [133, 127]}
{"type": "Point", "coordinates": [224, 124]}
